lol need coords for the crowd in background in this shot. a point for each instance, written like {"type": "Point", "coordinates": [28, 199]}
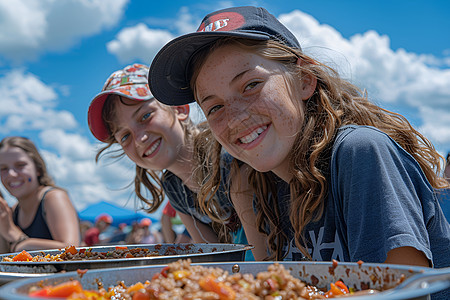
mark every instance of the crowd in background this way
{"type": "Point", "coordinates": [142, 231]}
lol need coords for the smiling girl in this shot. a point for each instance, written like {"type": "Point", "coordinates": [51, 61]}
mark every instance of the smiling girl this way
{"type": "Point", "coordinates": [160, 140]}
{"type": "Point", "coordinates": [44, 217]}
{"type": "Point", "coordinates": [361, 179]}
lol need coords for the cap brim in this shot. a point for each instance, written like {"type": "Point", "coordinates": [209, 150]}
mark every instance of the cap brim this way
{"type": "Point", "coordinates": [95, 120]}
{"type": "Point", "coordinates": [168, 80]}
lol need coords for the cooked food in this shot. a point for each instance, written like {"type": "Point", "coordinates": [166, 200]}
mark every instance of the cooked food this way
{"type": "Point", "coordinates": [71, 253]}
{"type": "Point", "coordinates": [181, 280]}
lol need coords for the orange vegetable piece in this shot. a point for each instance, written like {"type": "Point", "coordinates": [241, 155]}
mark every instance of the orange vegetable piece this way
{"type": "Point", "coordinates": [65, 289]}
{"type": "Point", "coordinates": [210, 284]}
{"type": "Point", "coordinates": [23, 256]}
{"type": "Point", "coordinates": [141, 296]}
{"type": "Point", "coordinates": [342, 286]}
{"type": "Point", "coordinates": [135, 287]}
{"type": "Point", "coordinates": [62, 290]}
{"type": "Point", "coordinates": [41, 293]}
{"type": "Point", "coordinates": [71, 249]}
{"type": "Point", "coordinates": [336, 289]}
{"type": "Point", "coordinates": [121, 247]}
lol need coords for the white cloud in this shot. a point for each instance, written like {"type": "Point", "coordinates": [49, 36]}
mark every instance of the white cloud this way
{"type": "Point", "coordinates": [29, 104]}
{"type": "Point", "coordinates": [32, 26]}
{"type": "Point", "coordinates": [20, 36]}
{"type": "Point", "coordinates": [138, 43]}
{"type": "Point", "coordinates": [70, 145]}
{"type": "Point", "coordinates": [399, 77]}
{"type": "Point", "coordinates": [185, 22]}
{"type": "Point", "coordinates": [141, 43]}
{"type": "Point", "coordinates": [21, 87]}
{"type": "Point", "coordinates": [436, 124]}
{"type": "Point", "coordinates": [76, 170]}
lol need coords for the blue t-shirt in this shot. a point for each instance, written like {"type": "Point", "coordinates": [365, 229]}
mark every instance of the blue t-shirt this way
{"type": "Point", "coordinates": [444, 201]}
{"type": "Point", "coordinates": [378, 200]}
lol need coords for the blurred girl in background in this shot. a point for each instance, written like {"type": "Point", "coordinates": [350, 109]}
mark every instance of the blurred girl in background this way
{"type": "Point", "coordinates": [43, 217]}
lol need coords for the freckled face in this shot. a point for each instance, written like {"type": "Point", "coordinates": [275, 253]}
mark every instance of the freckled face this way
{"type": "Point", "coordinates": [149, 135]}
{"type": "Point", "coordinates": [18, 172]}
{"type": "Point", "coordinates": [249, 107]}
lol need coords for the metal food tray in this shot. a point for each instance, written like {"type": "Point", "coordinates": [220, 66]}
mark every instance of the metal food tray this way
{"type": "Point", "coordinates": [321, 274]}
{"type": "Point", "coordinates": [168, 253]}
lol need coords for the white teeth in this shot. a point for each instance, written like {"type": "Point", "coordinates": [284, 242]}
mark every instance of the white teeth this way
{"type": "Point", "coordinates": [15, 183]}
{"type": "Point", "coordinates": [153, 148]}
{"type": "Point", "coordinates": [253, 135]}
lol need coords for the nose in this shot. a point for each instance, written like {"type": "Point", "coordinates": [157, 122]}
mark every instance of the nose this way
{"type": "Point", "coordinates": [9, 172]}
{"type": "Point", "coordinates": [141, 136]}
{"type": "Point", "coordinates": [12, 172]}
{"type": "Point", "coordinates": [237, 113]}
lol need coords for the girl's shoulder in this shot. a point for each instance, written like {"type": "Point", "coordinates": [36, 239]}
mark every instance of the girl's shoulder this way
{"type": "Point", "coordinates": [53, 195]}
{"type": "Point", "coordinates": [52, 191]}
{"type": "Point", "coordinates": [360, 134]}
{"type": "Point", "coordinates": [352, 139]}
{"type": "Point", "coordinates": [364, 144]}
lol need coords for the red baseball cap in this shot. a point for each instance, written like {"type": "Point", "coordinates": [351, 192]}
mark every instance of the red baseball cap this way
{"type": "Point", "coordinates": [130, 82]}
{"type": "Point", "coordinates": [145, 222]}
{"type": "Point", "coordinates": [105, 218]}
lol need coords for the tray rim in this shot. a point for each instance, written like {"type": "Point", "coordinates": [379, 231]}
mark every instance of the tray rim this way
{"type": "Point", "coordinates": [407, 294]}
{"type": "Point", "coordinates": [239, 247]}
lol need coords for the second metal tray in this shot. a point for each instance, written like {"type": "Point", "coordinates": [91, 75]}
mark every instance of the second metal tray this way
{"type": "Point", "coordinates": [167, 253]}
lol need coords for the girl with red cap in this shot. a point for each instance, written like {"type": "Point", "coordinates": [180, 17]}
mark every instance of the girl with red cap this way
{"type": "Point", "coordinates": [160, 140]}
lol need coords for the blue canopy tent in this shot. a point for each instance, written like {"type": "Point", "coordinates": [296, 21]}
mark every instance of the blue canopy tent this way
{"type": "Point", "coordinates": [119, 214]}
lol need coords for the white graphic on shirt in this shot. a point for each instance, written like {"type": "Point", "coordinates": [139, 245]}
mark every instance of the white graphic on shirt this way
{"type": "Point", "coordinates": [317, 246]}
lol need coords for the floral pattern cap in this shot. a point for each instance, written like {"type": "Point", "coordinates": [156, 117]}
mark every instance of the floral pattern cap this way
{"type": "Point", "coordinates": [130, 82]}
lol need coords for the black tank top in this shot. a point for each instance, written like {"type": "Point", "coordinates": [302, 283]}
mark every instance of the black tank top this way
{"type": "Point", "coordinates": [38, 228]}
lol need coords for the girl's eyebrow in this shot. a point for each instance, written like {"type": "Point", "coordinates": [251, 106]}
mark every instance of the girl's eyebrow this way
{"type": "Point", "coordinates": [136, 112]}
{"type": "Point", "coordinates": [119, 128]}
{"type": "Point", "coordinates": [239, 75]}
{"type": "Point", "coordinates": [235, 78]}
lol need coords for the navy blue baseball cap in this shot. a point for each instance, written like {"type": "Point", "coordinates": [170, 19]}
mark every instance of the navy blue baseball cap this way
{"type": "Point", "coordinates": [169, 75]}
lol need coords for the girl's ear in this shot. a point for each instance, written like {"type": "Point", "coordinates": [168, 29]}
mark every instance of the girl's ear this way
{"type": "Point", "coordinates": [309, 83]}
{"type": "Point", "coordinates": [182, 112]}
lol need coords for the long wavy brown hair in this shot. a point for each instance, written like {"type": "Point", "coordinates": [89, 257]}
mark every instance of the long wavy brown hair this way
{"type": "Point", "coordinates": [150, 180]}
{"type": "Point", "coordinates": [335, 103]}
{"type": "Point", "coordinates": [30, 149]}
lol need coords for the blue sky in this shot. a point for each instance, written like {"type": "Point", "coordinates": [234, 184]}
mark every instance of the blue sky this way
{"type": "Point", "coordinates": [56, 54]}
